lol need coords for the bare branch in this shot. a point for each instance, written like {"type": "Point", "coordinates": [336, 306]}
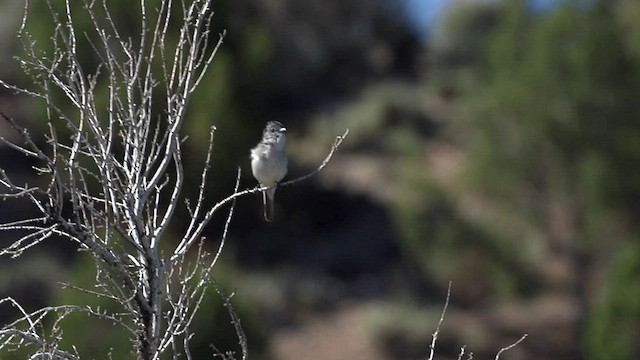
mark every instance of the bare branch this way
{"type": "Point", "coordinates": [111, 174]}
{"type": "Point", "coordinates": [510, 346]}
{"type": "Point", "coordinates": [192, 236]}
{"type": "Point", "coordinates": [432, 346]}
{"type": "Point", "coordinates": [435, 334]}
{"type": "Point", "coordinates": [461, 354]}
{"type": "Point", "coordinates": [334, 147]}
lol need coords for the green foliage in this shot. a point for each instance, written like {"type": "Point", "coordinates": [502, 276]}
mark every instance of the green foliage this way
{"type": "Point", "coordinates": [98, 336]}
{"type": "Point", "coordinates": [557, 123]}
{"type": "Point", "coordinates": [555, 102]}
{"type": "Point", "coordinates": [549, 128]}
{"type": "Point", "coordinates": [444, 243]}
{"type": "Point", "coordinates": [93, 337]}
{"type": "Point", "coordinates": [614, 330]}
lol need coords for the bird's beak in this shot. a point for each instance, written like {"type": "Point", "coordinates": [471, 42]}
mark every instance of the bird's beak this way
{"type": "Point", "coordinates": [283, 130]}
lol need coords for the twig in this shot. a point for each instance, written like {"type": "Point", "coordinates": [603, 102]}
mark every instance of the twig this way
{"type": "Point", "coordinates": [235, 320]}
{"type": "Point", "coordinates": [435, 334]}
{"type": "Point", "coordinates": [190, 238]}
{"type": "Point", "coordinates": [462, 350]}
{"type": "Point", "coordinates": [336, 144]}
{"type": "Point", "coordinates": [510, 346]}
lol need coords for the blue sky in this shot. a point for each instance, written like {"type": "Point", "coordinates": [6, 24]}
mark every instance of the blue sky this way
{"type": "Point", "coordinates": [424, 14]}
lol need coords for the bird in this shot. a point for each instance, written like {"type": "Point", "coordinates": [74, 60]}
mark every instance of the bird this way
{"type": "Point", "coordinates": [269, 163]}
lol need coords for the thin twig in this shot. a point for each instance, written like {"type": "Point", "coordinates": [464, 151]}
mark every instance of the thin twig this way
{"type": "Point", "coordinates": [435, 334]}
{"type": "Point", "coordinates": [192, 237]}
{"type": "Point", "coordinates": [235, 320]}
{"type": "Point", "coordinates": [510, 346]}
{"type": "Point", "coordinates": [462, 350]}
{"type": "Point", "coordinates": [336, 144]}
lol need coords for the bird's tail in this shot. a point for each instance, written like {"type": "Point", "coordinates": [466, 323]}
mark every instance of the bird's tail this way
{"type": "Point", "coordinates": [268, 200]}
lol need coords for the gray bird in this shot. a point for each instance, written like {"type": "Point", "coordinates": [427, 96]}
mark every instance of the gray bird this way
{"type": "Point", "coordinates": [269, 163]}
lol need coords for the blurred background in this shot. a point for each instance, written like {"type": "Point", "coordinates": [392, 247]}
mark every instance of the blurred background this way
{"type": "Point", "coordinates": [494, 144]}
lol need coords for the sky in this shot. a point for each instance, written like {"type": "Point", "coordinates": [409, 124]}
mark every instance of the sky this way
{"type": "Point", "coordinates": [424, 14]}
